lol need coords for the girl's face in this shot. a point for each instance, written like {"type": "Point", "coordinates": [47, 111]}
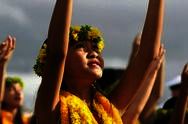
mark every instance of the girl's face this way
{"type": "Point", "coordinates": [84, 61]}
{"type": "Point", "coordinates": [14, 95]}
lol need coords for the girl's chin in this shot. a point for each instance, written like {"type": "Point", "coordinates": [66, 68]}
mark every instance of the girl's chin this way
{"type": "Point", "coordinates": [18, 104]}
{"type": "Point", "coordinates": [98, 75]}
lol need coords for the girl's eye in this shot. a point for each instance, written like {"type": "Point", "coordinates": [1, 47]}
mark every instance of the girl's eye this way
{"type": "Point", "coordinates": [96, 48]}
{"type": "Point", "coordinates": [10, 89]}
{"type": "Point", "coordinates": [77, 46]}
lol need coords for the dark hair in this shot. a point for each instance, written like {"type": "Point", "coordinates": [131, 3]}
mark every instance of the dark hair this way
{"type": "Point", "coordinates": [170, 103]}
{"type": "Point", "coordinates": [33, 119]}
{"type": "Point", "coordinates": [13, 80]}
{"type": "Point", "coordinates": [175, 86]}
{"type": "Point", "coordinates": [18, 117]}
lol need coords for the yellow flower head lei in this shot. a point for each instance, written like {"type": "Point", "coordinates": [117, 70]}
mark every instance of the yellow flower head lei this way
{"type": "Point", "coordinates": [81, 33]}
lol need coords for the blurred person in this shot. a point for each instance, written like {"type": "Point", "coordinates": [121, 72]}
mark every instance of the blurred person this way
{"type": "Point", "coordinates": [180, 114]}
{"type": "Point", "coordinates": [175, 111]}
{"type": "Point", "coordinates": [175, 91]}
{"type": "Point", "coordinates": [11, 88]}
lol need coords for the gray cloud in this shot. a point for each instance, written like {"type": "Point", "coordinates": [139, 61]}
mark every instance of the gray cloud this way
{"type": "Point", "coordinates": [119, 20]}
{"type": "Point", "coordinates": [13, 13]}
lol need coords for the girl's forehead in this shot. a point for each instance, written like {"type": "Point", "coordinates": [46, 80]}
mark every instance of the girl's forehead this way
{"type": "Point", "coordinates": [85, 44]}
{"type": "Point", "coordinates": [89, 43]}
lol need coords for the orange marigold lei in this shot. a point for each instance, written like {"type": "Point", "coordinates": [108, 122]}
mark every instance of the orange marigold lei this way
{"type": "Point", "coordinates": [75, 111]}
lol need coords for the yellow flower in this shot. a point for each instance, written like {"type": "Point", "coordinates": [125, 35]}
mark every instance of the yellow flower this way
{"type": "Point", "coordinates": [101, 46]}
{"type": "Point", "coordinates": [75, 118]}
{"type": "Point", "coordinates": [102, 113]}
{"type": "Point", "coordinates": [42, 55]}
{"type": "Point", "coordinates": [79, 112]}
{"type": "Point", "coordinates": [94, 33]}
{"type": "Point", "coordinates": [75, 36]}
{"type": "Point", "coordinates": [42, 51]}
{"type": "Point", "coordinates": [82, 33]}
{"type": "Point", "coordinates": [42, 58]}
{"type": "Point", "coordinates": [76, 28]}
{"type": "Point", "coordinates": [44, 45]}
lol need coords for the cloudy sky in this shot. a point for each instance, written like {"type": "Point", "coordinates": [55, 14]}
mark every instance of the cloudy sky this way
{"type": "Point", "coordinates": [120, 21]}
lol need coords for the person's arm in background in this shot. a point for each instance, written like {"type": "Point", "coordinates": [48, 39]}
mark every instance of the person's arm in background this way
{"type": "Point", "coordinates": [178, 116]}
{"type": "Point", "coordinates": [6, 50]}
{"type": "Point", "coordinates": [135, 48]}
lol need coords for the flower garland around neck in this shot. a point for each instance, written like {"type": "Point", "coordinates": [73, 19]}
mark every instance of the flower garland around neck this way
{"type": "Point", "coordinates": [77, 34]}
{"type": "Point", "coordinates": [76, 111]}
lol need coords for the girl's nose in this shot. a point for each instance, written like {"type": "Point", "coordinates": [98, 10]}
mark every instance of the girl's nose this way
{"type": "Point", "coordinates": [92, 54]}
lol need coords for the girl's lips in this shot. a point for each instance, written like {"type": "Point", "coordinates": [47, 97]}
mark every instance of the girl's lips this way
{"type": "Point", "coordinates": [94, 63]}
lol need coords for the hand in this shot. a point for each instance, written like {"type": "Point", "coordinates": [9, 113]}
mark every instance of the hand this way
{"type": "Point", "coordinates": [157, 61]}
{"type": "Point", "coordinates": [184, 78]}
{"type": "Point", "coordinates": [6, 49]}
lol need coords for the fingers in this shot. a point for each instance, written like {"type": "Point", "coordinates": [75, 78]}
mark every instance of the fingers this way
{"type": "Point", "coordinates": [7, 47]}
{"type": "Point", "coordinates": [137, 39]}
{"type": "Point", "coordinates": [160, 57]}
{"type": "Point", "coordinates": [161, 51]}
{"type": "Point", "coordinates": [184, 76]}
{"type": "Point", "coordinates": [14, 43]}
{"type": "Point", "coordinates": [3, 44]}
{"type": "Point", "coordinates": [185, 69]}
{"type": "Point", "coordinates": [156, 62]}
{"type": "Point", "coordinates": [11, 42]}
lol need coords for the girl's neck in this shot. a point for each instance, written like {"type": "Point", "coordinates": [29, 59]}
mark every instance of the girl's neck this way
{"type": "Point", "coordinates": [12, 110]}
{"type": "Point", "coordinates": [83, 90]}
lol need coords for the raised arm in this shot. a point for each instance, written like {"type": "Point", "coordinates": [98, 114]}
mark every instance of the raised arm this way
{"type": "Point", "coordinates": [135, 48]}
{"type": "Point", "coordinates": [157, 89]}
{"type": "Point", "coordinates": [156, 93]}
{"type": "Point", "coordinates": [137, 103]}
{"type": "Point", "coordinates": [149, 47]}
{"type": "Point", "coordinates": [6, 50]}
{"type": "Point", "coordinates": [57, 45]}
{"type": "Point", "coordinates": [178, 116]}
